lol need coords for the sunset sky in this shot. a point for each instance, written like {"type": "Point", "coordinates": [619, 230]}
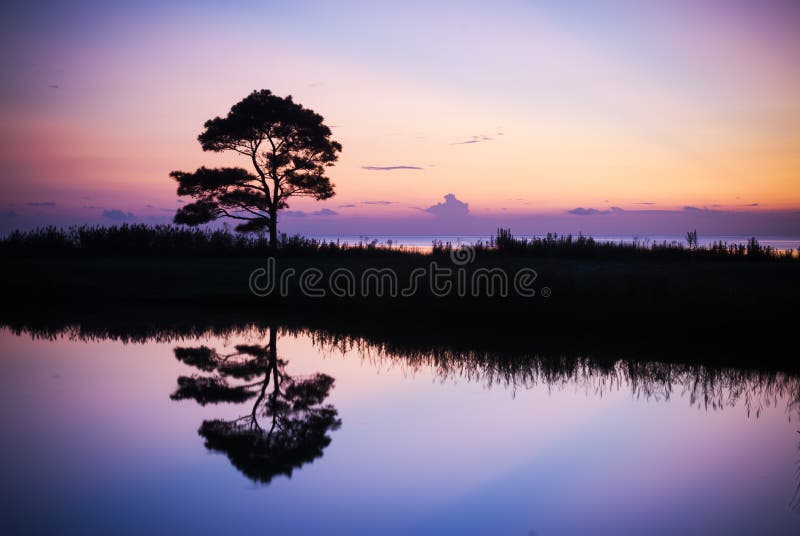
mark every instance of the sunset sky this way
{"type": "Point", "coordinates": [601, 117]}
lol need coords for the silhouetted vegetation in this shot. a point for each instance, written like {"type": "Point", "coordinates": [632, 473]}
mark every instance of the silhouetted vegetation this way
{"type": "Point", "coordinates": [691, 238]}
{"type": "Point", "coordinates": [748, 286]}
{"type": "Point", "coordinates": [289, 148]}
{"type": "Point", "coordinates": [169, 241]}
{"type": "Point", "coordinates": [568, 246]}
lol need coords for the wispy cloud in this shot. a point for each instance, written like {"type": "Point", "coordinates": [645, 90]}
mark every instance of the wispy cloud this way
{"type": "Point", "coordinates": [473, 139]}
{"type": "Point", "coordinates": [378, 202]}
{"type": "Point", "coordinates": [41, 204]}
{"type": "Point", "coordinates": [303, 214]}
{"type": "Point", "coordinates": [688, 209]}
{"type": "Point", "coordinates": [390, 168]}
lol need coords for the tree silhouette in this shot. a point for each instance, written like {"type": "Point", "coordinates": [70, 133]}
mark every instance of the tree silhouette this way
{"type": "Point", "coordinates": [289, 148]}
{"type": "Point", "coordinates": [288, 425]}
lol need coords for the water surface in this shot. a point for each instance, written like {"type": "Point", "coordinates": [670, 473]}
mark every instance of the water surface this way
{"type": "Point", "coordinates": [172, 435]}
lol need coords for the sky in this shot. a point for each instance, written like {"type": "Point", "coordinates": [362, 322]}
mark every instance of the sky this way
{"type": "Point", "coordinates": [598, 117]}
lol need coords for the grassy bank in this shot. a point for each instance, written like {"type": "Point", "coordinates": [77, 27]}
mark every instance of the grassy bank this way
{"type": "Point", "coordinates": [169, 241]}
{"type": "Point", "coordinates": [623, 287]}
{"type": "Point", "coordinates": [561, 285]}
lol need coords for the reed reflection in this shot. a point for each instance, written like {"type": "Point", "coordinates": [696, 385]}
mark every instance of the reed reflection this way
{"type": "Point", "coordinates": [704, 386]}
{"type": "Point", "coordinates": [288, 423]}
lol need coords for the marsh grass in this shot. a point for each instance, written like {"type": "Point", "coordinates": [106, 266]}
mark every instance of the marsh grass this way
{"type": "Point", "coordinates": [552, 245]}
{"type": "Point", "coordinates": [170, 241]}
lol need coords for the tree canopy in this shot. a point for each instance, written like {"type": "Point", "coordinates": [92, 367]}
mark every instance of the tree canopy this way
{"type": "Point", "coordinates": [289, 149]}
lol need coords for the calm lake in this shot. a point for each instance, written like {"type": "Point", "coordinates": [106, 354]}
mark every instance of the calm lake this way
{"type": "Point", "coordinates": [271, 430]}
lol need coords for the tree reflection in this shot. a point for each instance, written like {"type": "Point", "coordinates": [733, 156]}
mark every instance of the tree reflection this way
{"type": "Point", "coordinates": [288, 424]}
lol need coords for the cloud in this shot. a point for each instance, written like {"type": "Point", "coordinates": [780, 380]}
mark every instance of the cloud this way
{"type": "Point", "coordinates": [379, 202]}
{"type": "Point", "coordinates": [451, 208]}
{"type": "Point", "coordinates": [688, 209]}
{"type": "Point", "coordinates": [303, 214]}
{"type": "Point", "coordinates": [41, 204]}
{"type": "Point", "coordinates": [10, 214]}
{"type": "Point", "coordinates": [160, 209]}
{"type": "Point", "coordinates": [324, 212]}
{"type": "Point", "coordinates": [92, 207]}
{"type": "Point", "coordinates": [752, 205]}
{"type": "Point", "coordinates": [580, 211]}
{"type": "Point", "coordinates": [473, 139]}
{"type": "Point", "coordinates": [53, 86]}
{"type": "Point", "coordinates": [645, 203]}
{"type": "Point", "coordinates": [389, 168]}
{"type": "Point", "coordinates": [118, 215]}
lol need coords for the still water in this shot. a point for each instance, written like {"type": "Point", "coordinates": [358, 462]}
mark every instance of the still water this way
{"type": "Point", "coordinates": [269, 430]}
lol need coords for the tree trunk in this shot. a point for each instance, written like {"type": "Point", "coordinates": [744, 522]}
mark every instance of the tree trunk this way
{"type": "Point", "coordinates": [273, 227]}
{"type": "Point", "coordinates": [273, 237]}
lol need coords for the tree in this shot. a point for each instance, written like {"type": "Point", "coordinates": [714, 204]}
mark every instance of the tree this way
{"type": "Point", "coordinates": [289, 148]}
{"type": "Point", "coordinates": [289, 422]}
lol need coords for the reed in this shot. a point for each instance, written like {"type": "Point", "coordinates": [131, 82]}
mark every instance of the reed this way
{"type": "Point", "coordinates": [170, 241]}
